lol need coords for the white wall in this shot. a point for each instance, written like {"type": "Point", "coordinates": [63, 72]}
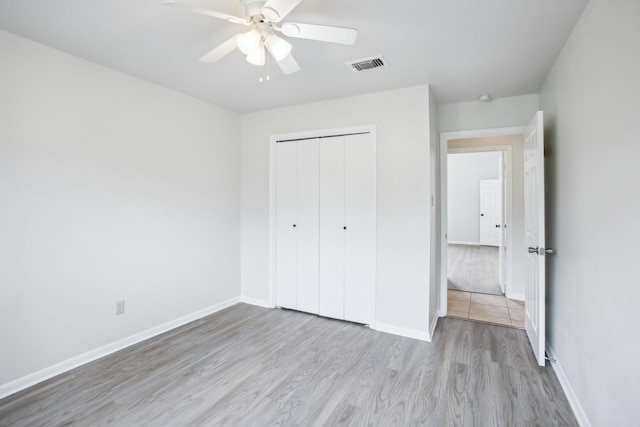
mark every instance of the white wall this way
{"type": "Point", "coordinates": [590, 99]}
{"type": "Point", "coordinates": [403, 195]}
{"type": "Point", "coordinates": [111, 188]}
{"type": "Point", "coordinates": [464, 173]}
{"type": "Point", "coordinates": [500, 112]}
{"type": "Point", "coordinates": [435, 222]}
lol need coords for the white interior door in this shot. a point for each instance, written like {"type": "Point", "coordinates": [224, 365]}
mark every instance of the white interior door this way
{"type": "Point", "coordinates": [307, 226]}
{"type": "Point", "coordinates": [359, 229]}
{"type": "Point", "coordinates": [490, 212]}
{"type": "Point", "coordinates": [535, 236]}
{"type": "Point", "coordinates": [286, 247]}
{"type": "Point", "coordinates": [332, 264]}
{"type": "Point", "coordinates": [502, 261]}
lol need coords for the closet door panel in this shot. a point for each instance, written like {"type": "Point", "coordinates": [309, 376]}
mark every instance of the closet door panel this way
{"type": "Point", "coordinates": [360, 233]}
{"type": "Point", "coordinates": [331, 227]}
{"type": "Point", "coordinates": [307, 226]}
{"type": "Point", "coordinates": [285, 231]}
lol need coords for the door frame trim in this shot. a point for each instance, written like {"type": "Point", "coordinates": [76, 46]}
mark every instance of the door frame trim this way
{"type": "Point", "coordinates": [318, 133]}
{"type": "Point", "coordinates": [445, 137]}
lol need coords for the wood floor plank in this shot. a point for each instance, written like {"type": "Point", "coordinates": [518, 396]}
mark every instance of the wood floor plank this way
{"type": "Point", "coordinates": [473, 268]}
{"type": "Point", "coordinates": [269, 373]}
{"type": "Point", "coordinates": [250, 366]}
{"type": "Point", "coordinates": [336, 378]}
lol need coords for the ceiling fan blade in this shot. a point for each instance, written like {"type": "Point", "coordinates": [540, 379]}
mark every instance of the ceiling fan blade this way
{"type": "Point", "coordinates": [276, 10]}
{"type": "Point", "coordinates": [208, 12]}
{"type": "Point", "coordinates": [288, 65]}
{"type": "Point", "coordinates": [323, 33]}
{"type": "Point", "coordinates": [220, 51]}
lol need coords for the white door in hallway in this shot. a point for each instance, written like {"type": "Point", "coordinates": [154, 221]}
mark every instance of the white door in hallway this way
{"type": "Point", "coordinates": [490, 211]}
{"type": "Point", "coordinates": [534, 236]}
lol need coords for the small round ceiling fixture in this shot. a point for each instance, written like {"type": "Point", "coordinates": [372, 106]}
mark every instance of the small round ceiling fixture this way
{"type": "Point", "coordinates": [485, 98]}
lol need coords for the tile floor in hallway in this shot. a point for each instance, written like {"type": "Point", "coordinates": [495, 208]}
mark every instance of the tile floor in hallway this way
{"type": "Point", "coordinates": [485, 308]}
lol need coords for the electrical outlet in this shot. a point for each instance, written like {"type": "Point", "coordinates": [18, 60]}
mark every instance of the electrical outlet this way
{"type": "Point", "coordinates": [119, 307]}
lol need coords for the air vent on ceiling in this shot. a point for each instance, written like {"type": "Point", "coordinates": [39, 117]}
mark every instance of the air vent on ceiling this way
{"type": "Point", "coordinates": [367, 64]}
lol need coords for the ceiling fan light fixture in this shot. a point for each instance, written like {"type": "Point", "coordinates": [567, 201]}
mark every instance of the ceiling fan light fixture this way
{"type": "Point", "coordinates": [247, 42]}
{"type": "Point", "coordinates": [278, 47]}
{"type": "Point", "coordinates": [257, 56]}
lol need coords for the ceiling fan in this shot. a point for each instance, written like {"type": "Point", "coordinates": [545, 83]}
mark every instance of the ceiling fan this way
{"type": "Point", "coordinates": [263, 17]}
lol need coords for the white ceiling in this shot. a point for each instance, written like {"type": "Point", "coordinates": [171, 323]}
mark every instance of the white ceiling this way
{"type": "Point", "coordinates": [462, 48]}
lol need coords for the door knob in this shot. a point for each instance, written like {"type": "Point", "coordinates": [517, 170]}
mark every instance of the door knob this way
{"type": "Point", "coordinates": [540, 251]}
{"type": "Point", "coordinates": [294, 225]}
{"type": "Point", "coordinates": [497, 225]}
{"type": "Point", "coordinates": [344, 228]}
{"type": "Point", "coordinates": [481, 214]}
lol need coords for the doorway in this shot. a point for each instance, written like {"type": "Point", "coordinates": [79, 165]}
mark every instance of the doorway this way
{"type": "Point", "coordinates": [481, 277]}
{"type": "Point", "coordinates": [475, 227]}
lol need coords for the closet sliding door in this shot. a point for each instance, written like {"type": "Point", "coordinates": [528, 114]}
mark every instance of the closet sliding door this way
{"type": "Point", "coordinates": [359, 213]}
{"type": "Point", "coordinates": [307, 227]}
{"type": "Point", "coordinates": [347, 228]}
{"type": "Point", "coordinates": [325, 226]}
{"type": "Point", "coordinates": [297, 225]}
{"type": "Point", "coordinates": [286, 216]}
{"type": "Point", "coordinates": [332, 225]}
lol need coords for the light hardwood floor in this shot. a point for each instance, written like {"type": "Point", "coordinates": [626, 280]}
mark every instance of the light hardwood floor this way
{"type": "Point", "coordinates": [485, 308]}
{"type": "Point", "coordinates": [249, 366]}
{"type": "Point", "coordinates": [473, 268]}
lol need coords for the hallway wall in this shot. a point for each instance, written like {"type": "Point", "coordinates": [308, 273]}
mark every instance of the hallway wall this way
{"type": "Point", "coordinates": [590, 100]}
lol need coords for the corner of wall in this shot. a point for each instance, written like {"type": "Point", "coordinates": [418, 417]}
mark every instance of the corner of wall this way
{"type": "Point", "coordinates": [436, 221]}
{"type": "Point", "coordinates": [578, 410]}
{"type": "Point", "coordinates": [404, 332]}
{"type": "Point", "coordinates": [257, 302]}
{"type": "Point", "coordinates": [22, 383]}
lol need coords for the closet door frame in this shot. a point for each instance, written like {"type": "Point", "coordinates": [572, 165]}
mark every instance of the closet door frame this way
{"type": "Point", "coordinates": [312, 134]}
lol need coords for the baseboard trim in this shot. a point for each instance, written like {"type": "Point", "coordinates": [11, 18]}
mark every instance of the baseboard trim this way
{"type": "Point", "coordinates": [257, 302]}
{"type": "Point", "coordinates": [69, 364]}
{"type": "Point", "coordinates": [403, 332]}
{"type": "Point", "coordinates": [581, 416]}
{"type": "Point", "coordinates": [514, 296]}
{"type": "Point", "coordinates": [434, 323]}
{"type": "Point", "coordinates": [459, 242]}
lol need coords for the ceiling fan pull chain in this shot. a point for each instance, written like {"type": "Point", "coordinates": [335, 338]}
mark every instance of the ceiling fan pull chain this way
{"type": "Point", "coordinates": [266, 69]}
{"type": "Point", "coordinates": [268, 66]}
